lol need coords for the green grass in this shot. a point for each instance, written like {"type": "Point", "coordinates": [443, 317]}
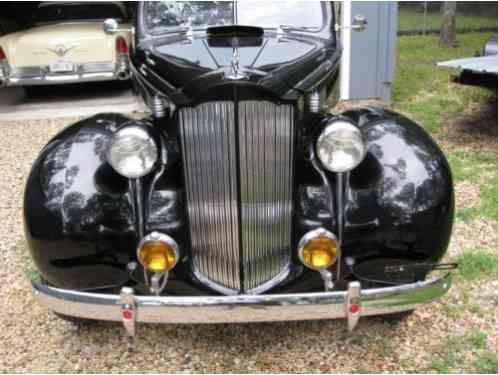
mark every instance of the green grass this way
{"type": "Point", "coordinates": [449, 355]}
{"type": "Point", "coordinates": [476, 264]}
{"type": "Point", "coordinates": [425, 93]}
{"type": "Point", "coordinates": [465, 164]}
{"type": "Point", "coordinates": [477, 339]}
{"type": "Point", "coordinates": [490, 198]}
{"type": "Point", "coordinates": [467, 214]}
{"type": "Point", "coordinates": [423, 90]}
{"type": "Point", "coordinates": [29, 268]}
{"type": "Point", "coordinates": [409, 19]}
{"type": "Point", "coordinates": [487, 363]}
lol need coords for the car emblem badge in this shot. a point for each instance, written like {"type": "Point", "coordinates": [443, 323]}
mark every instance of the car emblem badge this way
{"type": "Point", "coordinates": [61, 50]}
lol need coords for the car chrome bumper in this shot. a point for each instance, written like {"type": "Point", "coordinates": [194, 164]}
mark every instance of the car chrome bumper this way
{"type": "Point", "coordinates": [40, 75]}
{"type": "Point", "coordinates": [349, 304]}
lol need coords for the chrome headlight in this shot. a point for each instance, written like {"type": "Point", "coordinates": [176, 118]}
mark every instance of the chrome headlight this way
{"type": "Point", "coordinates": [340, 147]}
{"type": "Point", "coordinates": [132, 152]}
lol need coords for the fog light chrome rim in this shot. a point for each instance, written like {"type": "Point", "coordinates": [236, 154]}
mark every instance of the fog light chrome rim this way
{"type": "Point", "coordinates": [158, 252]}
{"type": "Point", "coordinates": [318, 249]}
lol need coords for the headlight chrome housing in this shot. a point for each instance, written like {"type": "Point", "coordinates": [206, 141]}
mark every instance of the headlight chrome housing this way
{"type": "Point", "coordinates": [340, 146]}
{"type": "Point", "coordinates": [132, 152]}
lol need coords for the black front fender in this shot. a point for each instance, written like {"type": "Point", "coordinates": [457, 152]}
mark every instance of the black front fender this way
{"type": "Point", "coordinates": [77, 209]}
{"type": "Point", "coordinates": [398, 203]}
{"type": "Point", "coordinates": [404, 185]}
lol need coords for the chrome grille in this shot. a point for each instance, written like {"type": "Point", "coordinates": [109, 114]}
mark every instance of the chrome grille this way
{"type": "Point", "coordinates": [210, 164]}
{"type": "Point", "coordinates": [239, 245]}
{"type": "Point", "coordinates": [265, 144]}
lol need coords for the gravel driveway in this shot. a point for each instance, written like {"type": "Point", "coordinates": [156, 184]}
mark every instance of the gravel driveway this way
{"type": "Point", "coordinates": [34, 340]}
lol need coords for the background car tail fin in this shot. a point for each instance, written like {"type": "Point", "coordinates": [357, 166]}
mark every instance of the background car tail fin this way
{"type": "Point", "coordinates": [3, 56]}
{"type": "Point", "coordinates": [121, 46]}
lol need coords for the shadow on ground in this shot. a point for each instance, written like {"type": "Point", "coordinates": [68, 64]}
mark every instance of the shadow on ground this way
{"type": "Point", "coordinates": [476, 130]}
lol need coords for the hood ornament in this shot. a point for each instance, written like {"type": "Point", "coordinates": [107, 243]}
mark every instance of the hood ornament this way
{"type": "Point", "coordinates": [60, 50]}
{"type": "Point", "coordinates": [236, 73]}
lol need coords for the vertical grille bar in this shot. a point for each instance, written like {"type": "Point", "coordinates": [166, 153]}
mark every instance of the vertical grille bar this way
{"type": "Point", "coordinates": [209, 155]}
{"type": "Point", "coordinates": [266, 158]}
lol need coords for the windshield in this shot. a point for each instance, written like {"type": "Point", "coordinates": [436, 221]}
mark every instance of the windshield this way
{"type": "Point", "coordinates": [170, 16]}
{"type": "Point", "coordinates": [54, 12]}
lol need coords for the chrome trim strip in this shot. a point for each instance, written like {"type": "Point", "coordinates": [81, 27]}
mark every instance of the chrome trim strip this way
{"type": "Point", "coordinates": [100, 67]}
{"type": "Point", "coordinates": [211, 284]}
{"type": "Point", "coordinates": [275, 280]}
{"type": "Point", "coordinates": [341, 177]}
{"type": "Point", "coordinates": [146, 71]}
{"type": "Point", "coordinates": [40, 75]}
{"type": "Point", "coordinates": [135, 189]}
{"type": "Point", "coordinates": [36, 71]}
{"type": "Point", "coordinates": [242, 308]}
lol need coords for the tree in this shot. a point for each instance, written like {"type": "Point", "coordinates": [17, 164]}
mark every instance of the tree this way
{"type": "Point", "coordinates": [447, 37]}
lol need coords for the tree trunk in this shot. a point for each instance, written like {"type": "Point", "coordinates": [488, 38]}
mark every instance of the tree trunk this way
{"type": "Point", "coordinates": [447, 37]}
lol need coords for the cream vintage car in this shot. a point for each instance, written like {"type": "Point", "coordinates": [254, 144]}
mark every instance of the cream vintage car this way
{"type": "Point", "coordinates": [66, 45]}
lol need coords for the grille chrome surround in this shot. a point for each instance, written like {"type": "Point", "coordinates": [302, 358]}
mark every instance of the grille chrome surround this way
{"type": "Point", "coordinates": [238, 164]}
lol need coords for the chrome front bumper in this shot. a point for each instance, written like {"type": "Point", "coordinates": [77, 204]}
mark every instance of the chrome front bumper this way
{"type": "Point", "coordinates": [350, 304]}
{"type": "Point", "coordinates": [40, 75]}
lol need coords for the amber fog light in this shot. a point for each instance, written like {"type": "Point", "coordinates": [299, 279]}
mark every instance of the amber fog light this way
{"type": "Point", "coordinates": [318, 249]}
{"type": "Point", "coordinates": [158, 252]}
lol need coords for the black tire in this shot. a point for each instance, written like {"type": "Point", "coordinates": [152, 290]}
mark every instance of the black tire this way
{"type": "Point", "coordinates": [34, 91]}
{"type": "Point", "coordinates": [75, 320]}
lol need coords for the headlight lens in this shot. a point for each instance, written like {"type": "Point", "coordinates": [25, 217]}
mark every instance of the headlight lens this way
{"type": "Point", "coordinates": [340, 147]}
{"type": "Point", "coordinates": [132, 152]}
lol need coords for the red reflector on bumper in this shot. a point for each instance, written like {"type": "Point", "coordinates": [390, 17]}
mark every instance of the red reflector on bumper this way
{"type": "Point", "coordinates": [354, 308]}
{"type": "Point", "coordinates": [127, 314]}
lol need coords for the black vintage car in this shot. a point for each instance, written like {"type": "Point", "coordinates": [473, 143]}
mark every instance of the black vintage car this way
{"type": "Point", "coordinates": [240, 199]}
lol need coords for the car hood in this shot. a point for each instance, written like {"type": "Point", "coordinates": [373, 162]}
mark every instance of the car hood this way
{"type": "Point", "coordinates": [277, 62]}
{"type": "Point", "coordinates": [84, 42]}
